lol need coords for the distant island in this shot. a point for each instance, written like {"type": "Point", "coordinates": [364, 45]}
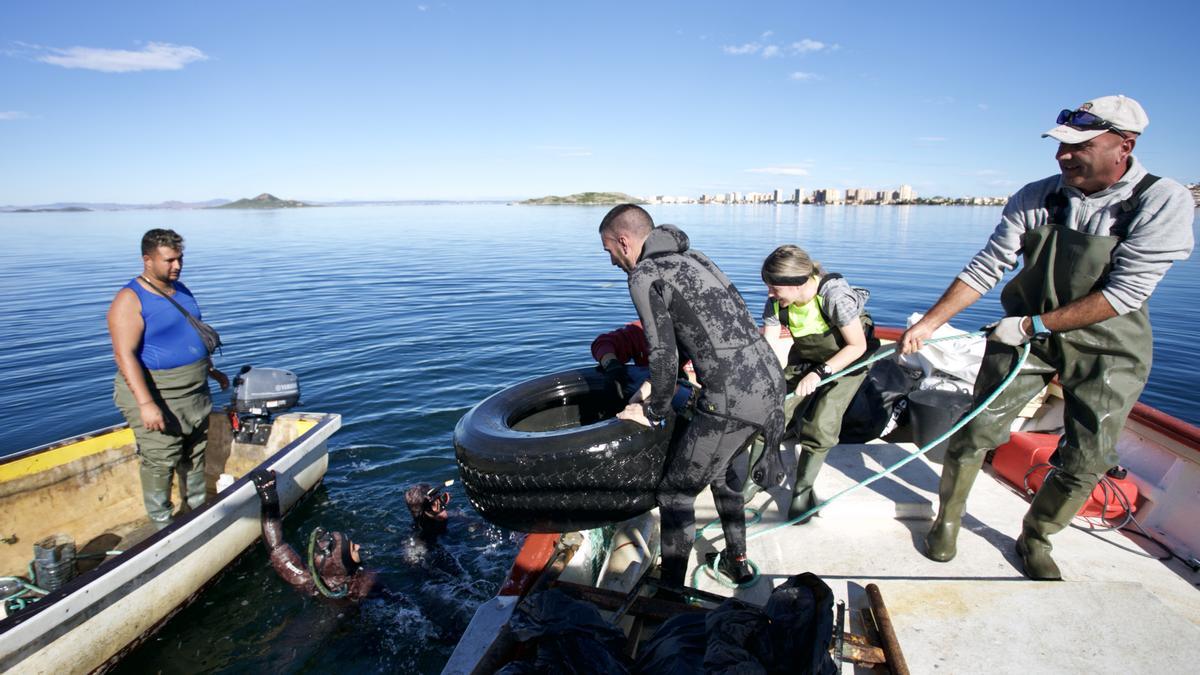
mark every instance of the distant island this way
{"type": "Point", "coordinates": [263, 201]}
{"type": "Point", "coordinates": [69, 209]}
{"type": "Point", "coordinates": [587, 198]}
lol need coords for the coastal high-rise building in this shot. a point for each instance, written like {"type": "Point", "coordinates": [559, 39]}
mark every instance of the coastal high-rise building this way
{"type": "Point", "coordinates": [906, 194]}
{"type": "Point", "coordinates": [798, 196]}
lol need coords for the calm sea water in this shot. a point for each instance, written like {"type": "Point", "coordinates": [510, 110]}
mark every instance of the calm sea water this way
{"type": "Point", "coordinates": [401, 318]}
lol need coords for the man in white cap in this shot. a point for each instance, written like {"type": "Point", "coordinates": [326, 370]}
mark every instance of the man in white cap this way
{"type": "Point", "coordinates": [1095, 240]}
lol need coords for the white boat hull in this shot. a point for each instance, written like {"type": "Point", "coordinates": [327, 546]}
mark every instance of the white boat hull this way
{"type": "Point", "coordinates": [90, 626]}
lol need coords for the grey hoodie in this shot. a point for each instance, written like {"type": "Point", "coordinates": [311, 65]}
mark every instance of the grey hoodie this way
{"type": "Point", "coordinates": [1159, 234]}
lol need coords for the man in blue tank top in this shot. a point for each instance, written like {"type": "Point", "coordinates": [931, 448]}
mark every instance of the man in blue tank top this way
{"type": "Point", "coordinates": [163, 368]}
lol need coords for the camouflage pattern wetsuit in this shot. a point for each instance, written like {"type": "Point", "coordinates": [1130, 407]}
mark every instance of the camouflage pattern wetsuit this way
{"type": "Point", "coordinates": [682, 297]}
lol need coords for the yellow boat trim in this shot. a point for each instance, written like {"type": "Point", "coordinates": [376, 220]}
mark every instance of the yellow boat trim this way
{"type": "Point", "coordinates": [65, 454]}
{"type": "Point", "coordinates": [44, 461]}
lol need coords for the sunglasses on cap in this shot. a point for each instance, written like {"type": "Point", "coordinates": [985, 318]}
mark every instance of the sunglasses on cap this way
{"type": "Point", "coordinates": [1082, 119]}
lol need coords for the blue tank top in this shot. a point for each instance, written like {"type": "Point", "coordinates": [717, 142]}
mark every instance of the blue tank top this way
{"type": "Point", "coordinates": [169, 341]}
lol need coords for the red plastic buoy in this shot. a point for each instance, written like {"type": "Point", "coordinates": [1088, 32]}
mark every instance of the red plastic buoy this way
{"type": "Point", "coordinates": [1025, 450]}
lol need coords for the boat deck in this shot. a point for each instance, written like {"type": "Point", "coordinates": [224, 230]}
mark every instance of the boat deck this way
{"type": "Point", "coordinates": [1119, 610]}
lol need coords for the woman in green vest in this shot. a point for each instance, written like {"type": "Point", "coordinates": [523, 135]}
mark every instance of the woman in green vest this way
{"type": "Point", "coordinates": [817, 324]}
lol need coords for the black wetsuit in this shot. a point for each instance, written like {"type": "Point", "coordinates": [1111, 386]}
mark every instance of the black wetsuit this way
{"type": "Point", "coordinates": [682, 297]}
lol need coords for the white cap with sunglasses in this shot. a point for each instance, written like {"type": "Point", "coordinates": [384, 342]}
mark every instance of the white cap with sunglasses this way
{"type": "Point", "coordinates": [1101, 115]}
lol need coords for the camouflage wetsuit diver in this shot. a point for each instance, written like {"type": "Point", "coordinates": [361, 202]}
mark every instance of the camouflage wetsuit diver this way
{"type": "Point", "coordinates": [335, 571]}
{"type": "Point", "coordinates": [683, 298]}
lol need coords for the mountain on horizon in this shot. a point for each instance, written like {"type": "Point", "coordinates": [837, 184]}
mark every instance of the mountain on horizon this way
{"type": "Point", "coordinates": [587, 198]}
{"type": "Point", "coordinates": [172, 205]}
{"type": "Point", "coordinates": [264, 201]}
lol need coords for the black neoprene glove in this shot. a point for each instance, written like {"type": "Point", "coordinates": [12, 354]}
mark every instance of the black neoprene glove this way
{"type": "Point", "coordinates": [264, 483]}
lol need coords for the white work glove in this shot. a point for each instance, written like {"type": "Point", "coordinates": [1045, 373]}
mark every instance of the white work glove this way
{"type": "Point", "coordinates": [1008, 331]}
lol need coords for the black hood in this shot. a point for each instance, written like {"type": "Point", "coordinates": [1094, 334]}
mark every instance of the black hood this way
{"type": "Point", "coordinates": [663, 240]}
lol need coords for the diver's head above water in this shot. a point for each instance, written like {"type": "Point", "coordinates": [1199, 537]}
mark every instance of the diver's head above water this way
{"type": "Point", "coordinates": [427, 504]}
{"type": "Point", "coordinates": [335, 557]}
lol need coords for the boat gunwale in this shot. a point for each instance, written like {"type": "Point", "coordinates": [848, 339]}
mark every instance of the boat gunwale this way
{"type": "Point", "coordinates": [111, 565]}
{"type": "Point", "coordinates": [62, 443]}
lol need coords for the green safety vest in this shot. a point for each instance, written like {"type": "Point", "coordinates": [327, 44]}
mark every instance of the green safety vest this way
{"type": "Point", "coordinates": [815, 339]}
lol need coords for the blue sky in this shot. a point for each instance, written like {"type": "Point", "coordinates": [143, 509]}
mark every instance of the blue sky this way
{"type": "Point", "coordinates": [150, 101]}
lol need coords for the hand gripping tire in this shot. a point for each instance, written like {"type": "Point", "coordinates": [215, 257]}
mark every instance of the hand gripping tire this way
{"type": "Point", "coordinates": [547, 455]}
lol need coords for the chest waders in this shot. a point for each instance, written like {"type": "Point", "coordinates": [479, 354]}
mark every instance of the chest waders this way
{"type": "Point", "coordinates": [1102, 369]}
{"type": "Point", "coordinates": [816, 420]}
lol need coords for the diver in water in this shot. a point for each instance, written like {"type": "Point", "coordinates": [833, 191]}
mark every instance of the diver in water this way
{"type": "Point", "coordinates": [334, 566]}
{"type": "Point", "coordinates": [427, 504]}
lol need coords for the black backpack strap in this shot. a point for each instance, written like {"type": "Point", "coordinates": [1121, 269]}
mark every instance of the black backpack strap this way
{"type": "Point", "coordinates": [1130, 206]}
{"type": "Point", "coordinates": [826, 279]}
{"type": "Point", "coordinates": [1056, 204]}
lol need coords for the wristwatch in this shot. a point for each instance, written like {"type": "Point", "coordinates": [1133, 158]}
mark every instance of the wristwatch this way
{"type": "Point", "coordinates": [822, 370]}
{"type": "Point", "coordinates": [654, 420]}
{"type": "Point", "coordinates": [1039, 330]}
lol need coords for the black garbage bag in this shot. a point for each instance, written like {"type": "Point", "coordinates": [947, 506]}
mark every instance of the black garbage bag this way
{"type": "Point", "coordinates": [567, 637]}
{"type": "Point", "coordinates": [676, 648]}
{"type": "Point", "coordinates": [792, 634]}
{"type": "Point", "coordinates": [880, 403]}
{"type": "Point", "coordinates": [801, 611]}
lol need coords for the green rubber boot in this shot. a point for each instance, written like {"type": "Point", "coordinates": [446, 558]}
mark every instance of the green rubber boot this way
{"type": "Point", "coordinates": [193, 481]}
{"type": "Point", "coordinates": [1053, 507]}
{"type": "Point", "coordinates": [156, 495]}
{"type": "Point", "coordinates": [955, 485]}
{"type": "Point", "coordinates": [803, 498]}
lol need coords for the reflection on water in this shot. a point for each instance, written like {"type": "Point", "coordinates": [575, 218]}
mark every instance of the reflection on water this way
{"type": "Point", "coordinates": [400, 318]}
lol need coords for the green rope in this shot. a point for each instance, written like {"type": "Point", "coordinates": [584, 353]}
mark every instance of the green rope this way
{"type": "Point", "coordinates": [711, 567]}
{"type": "Point", "coordinates": [312, 569]}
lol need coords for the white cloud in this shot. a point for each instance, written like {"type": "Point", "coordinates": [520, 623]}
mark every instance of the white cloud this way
{"type": "Point", "coordinates": [801, 76]}
{"type": "Point", "coordinates": [983, 106]}
{"type": "Point", "coordinates": [781, 170]}
{"type": "Point", "coordinates": [806, 45]}
{"type": "Point", "coordinates": [988, 172]}
{"type": "Point", "coordinates": [738, 50]}
{"type": "Point", "coordinates": [154, 56]}
{"type": "Point", "coordinates": [422, 8]}
{"type": "Point", "coordinates": [6, 115]}
{"type": "Point", "coordinates": [931, 139]}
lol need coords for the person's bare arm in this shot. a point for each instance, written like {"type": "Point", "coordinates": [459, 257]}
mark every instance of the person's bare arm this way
{"type": "Point", "coordinates": [126, 328]}
{"type": "Point", "coordinates": [957, 297]}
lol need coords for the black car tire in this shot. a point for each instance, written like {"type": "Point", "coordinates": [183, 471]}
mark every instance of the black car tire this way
{"type": "Point", "coordinates": [547, 455]}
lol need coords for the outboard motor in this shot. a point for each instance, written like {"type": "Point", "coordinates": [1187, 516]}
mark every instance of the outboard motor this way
{"type": "Point", "coordinates": [258, 394]}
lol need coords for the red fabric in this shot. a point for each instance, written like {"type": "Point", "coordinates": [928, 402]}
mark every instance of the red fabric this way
{"type": "Point", "coordinates": [627, 342]}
